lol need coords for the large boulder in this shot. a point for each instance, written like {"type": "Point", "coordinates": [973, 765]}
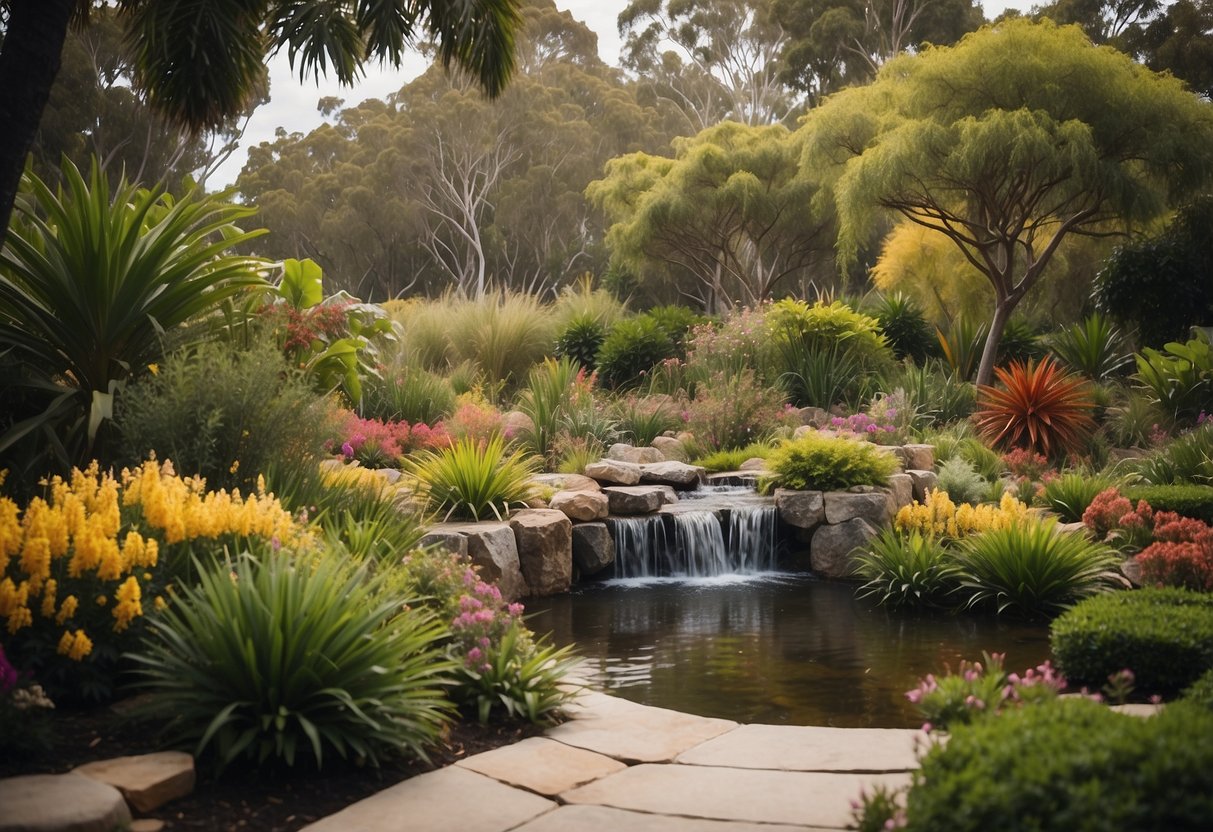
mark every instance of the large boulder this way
{"type": "Point", "coordinates": [567, 482]}
{"type": "Point", "coordinates": [57, 802]}
{"type": "Point", "coordinates": [581, 505]}
{"type": "Point", "coordinates": [593, 548]}
{"type": "Point", "coordinates": [671, 449]}
{"type": "Point", "coordinates": [451, 541]}
{"type": "Point", "coordinates": [918, 457]}
{"type": "Point", "coordinates": [876, 507]}
{"type": "Point", "coordinates": [833, 546]}
{"type": "Point", "coordinates": [676, 474]}
{"type": "Point", "coordinates": [754, 463]}
{"type": "Point", "coordinates": [800, 509]}
{"type": "Point", "coordinates": [638, 499]}
{"type": "Point", "coordinates": [901, 486]}
{"type": "Point", "coordinates": [515, 422]}
{"type": "Point", "coordinates": [491, 547]}
{"type": "Point", "coordinates": [923, 481]}
{"type": "Point", "coordinates": [614, 472]}
{"type": "Point", "coordinates": [147, 781]}
{"type": "Point", "coordinates": [545, 549]}
{"type": "Point", "coordinates": [622, 452]}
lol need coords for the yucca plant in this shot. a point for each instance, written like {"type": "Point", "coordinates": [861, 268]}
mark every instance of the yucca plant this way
{"type": "Point", "coordinates": [907, 570]}
{"type": "Point", "coordinates": [1032, 568]}
{"type": "Point", "coordinates": [471, 480]}
{"type": "Point", "coordinates": [1039, 406]}
{"type": "Point", "coordinates": [284, 656]}
{"type": "Point", "coordinates": [1070, 494]}
{"type": "Point", "coordinates": [90, 281]}
{"type": "Point", "coordinates": [1093, 347]}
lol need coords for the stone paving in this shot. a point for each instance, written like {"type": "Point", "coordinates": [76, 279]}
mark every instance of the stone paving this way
{"type": "Point", "coordinates": [616, 766]}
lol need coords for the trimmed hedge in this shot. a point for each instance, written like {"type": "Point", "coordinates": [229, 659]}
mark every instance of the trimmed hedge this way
{"type": "Point", "coordinates": [1069, 765]}
{"type": "Point", "coordinates": [1165, 636]}
{"type": "Point", "coordinates": [1186, 500]}
{"type": "Point", "coordinates": [1200, 692]}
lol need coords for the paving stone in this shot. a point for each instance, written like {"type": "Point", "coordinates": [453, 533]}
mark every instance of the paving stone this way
{"type": "Point", "coordinates": [542, 765]}
{"type": "Point", "coordinates": [147, 781]}
{"type": "Point", "coordinates": [614, 472]}
{"type": "Point", "coordinates": [631, 732]}
{"type": "Point", "coordinates": [1142, 709]}
{"type": "Point", "coordinates": [809, 748]}
{"type": "Point", "coordinates": [60, 803]}
{"type": "Point", "coordinates": [791, 797]}
{"type": "Point", "coordinates": [452, 798]}
{"type": "Point", "coordinates": [606, 819]}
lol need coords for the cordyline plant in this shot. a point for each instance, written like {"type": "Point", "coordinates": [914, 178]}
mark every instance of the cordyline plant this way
{"type": "Point", "coordinates": [1037, 406]}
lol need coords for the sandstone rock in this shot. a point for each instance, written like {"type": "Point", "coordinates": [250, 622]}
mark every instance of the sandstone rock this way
{"type": "Point", "coordinates": [924, 481]}
{"type": "Point", "coordinates": [515, 422]}
{"type": "Point", "coordinates": [448, 540]}
{"type": "Point", "coordinates": [803, 430]}
{"type": "Point", "coordinates": [800, 509]}
{"type": "Point", "coordinates": [147, 781]}
{"type": "Point", "coordinates": [919, 457]}
{"type": "Point", "coordinates": [622, 452]}
{"type": "Point", "coordinates": [614, 472]}
{"type": "Point", "coordinates": [147, 825]}
{"type": "Point", "coordinates": [545, 549]}
{"type": "Point", "coordinates": [581, 505]}
{"type": "Point", "coordinates": [593, 548]}
{"type": "Point", "coordinates": [637, 499]}
{"type": "Point", "coordinates": [1131, 569]}
{"type": "Point", "coordinates": [567, 482]}
{"type": "Point", "coordinates": [671, 448]}
{"type": "Point", "coordinates": [875, 507]}
{"type": "Point", "coordinates": [754, 464]}
{"type": "Point", "coordinates": [814, 417]}
{"type": "Point", "coordinates": [60, 803]}
{"type": "Point", "coordinates": [676, 474]}
{"type": "Point", "coordinates": [833, 544]}
{"type": "Point", "coordinates": [901, 486]}
{"type": "Point", "coordinates": [491, 546]}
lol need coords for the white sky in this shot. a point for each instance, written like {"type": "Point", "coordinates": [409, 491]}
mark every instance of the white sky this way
{"type": "Point", "coordinates": [293, 103]}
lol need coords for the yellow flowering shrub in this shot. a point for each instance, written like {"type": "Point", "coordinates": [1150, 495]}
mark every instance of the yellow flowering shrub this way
{"type": "Point", "coordinates": [940, 517]}
{"type": "Point", "coordinates": [78, 564]}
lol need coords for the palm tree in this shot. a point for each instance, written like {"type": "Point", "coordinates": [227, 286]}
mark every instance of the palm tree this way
{"type": "Point", "coordinates": [199, 61]}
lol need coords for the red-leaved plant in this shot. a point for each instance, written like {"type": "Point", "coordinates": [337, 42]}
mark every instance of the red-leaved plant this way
{"type": "Point", "coordinates": [1037, 406]}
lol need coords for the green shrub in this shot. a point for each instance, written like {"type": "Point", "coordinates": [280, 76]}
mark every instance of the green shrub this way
{"type": "Point", "coordinates": [1066, 765]}
{"type": "Point", "coordinates": [676, 322]}
{"type": "Point", "coordinates": [641, 420]}
{"type": "Point", "coordinates": [821, 463]}
{"type": "Point", "coordinates": [907, 570]}
{"type": "Point", "coordinates": [1093, 347]}
{"type": "Point", "coordinates": [962, 483]}
{"type": "Point", "coordinates": [1071, 493]}
{"type": "Point", "coordinates": [980, 689]}
{"type": "Point", "coordinates": [732, 411]}
{"type": "Point", "coordinates": [580, 341]}
{"type": "Point", "coordinates": [826, 354]}
{"type": "Point", "coordinates": [408, 394]}
{"type": "Point", "coordinates": [1200, 692]}
{"type": "Point", "coordinates": [905, 328]}
{"type": "Point", "coordinates": [1165, 636]}
{"type": "Point", "coordinates": [1031, 568]}
{"type": "Point", "coordinates": [821, 325]}
{"type": "Point", "coordinates": [935, 393]}
{"type": "Point", "coordinates": [224, 414]}
{"type": "Point", "coordinates": [730, 459]}
{"type": "Point", "coordinates": [1179, 379]}
{"type": "Point", "coordinates": [551, 388]}
{"type": "Point", "coordinates": [1185, 499]}
{"type": "Point", "coordinates": [582, 300]}
{"type": "Point", "coordinates": [471, 480]}
{"type": "Point", "coordinates": [953, 444]}
{"type": "Point", "coordinates": [518, 676]}
{"type": "Point", "coordinates": [962, 346]}
{"type": "Point", "coordinates": [631, 350]}
{"type": "Point", "coordinates": [1019, 342]}
{"type": "Point", "coordinates": [295, 657]}
{"type": "Point", "coordinates": [1189, 458]}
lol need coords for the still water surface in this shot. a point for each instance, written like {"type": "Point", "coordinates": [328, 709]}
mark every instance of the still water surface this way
{"type": "Point", "coordinates": [777, 649]}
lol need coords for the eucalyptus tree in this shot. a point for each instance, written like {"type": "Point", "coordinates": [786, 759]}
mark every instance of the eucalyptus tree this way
{"type": "Point", "coordinates": [200, 62]}
{"type": "Point", "coordinates": [728, 217]}
{"type": "Point", "coordinates": [1007, 143]}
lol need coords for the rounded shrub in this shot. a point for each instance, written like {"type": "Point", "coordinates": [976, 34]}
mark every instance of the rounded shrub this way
{"type": "Point", "coordinates": [632, 349]}
{"type": "Point", "coordinates": [676, 322]}
{"type": "Point", "coordinates": [1185, 499]}
{"type": "Point", "coordinates": [823, 463]}
{"type": "Point", "coordinates": [286, 656]}
{"type": "Point", "coordinates": [580, 341]}
{"type": "Point", "coordinates": [1200, 692]}
{"type": "Point", "coordinates": [1065, 765]}
{"type": "Point", "coordinates": [1165, 636]}
{"type": "Point", "coordinates": [905, 328]}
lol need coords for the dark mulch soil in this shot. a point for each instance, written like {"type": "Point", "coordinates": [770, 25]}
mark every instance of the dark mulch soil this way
{"type": "Point", "coordinates": [266, 800]}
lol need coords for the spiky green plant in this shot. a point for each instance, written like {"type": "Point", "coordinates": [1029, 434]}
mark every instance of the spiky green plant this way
{"type": "Point", "coordinates": [91, 279]}
{"type": "Point", "coordinates": [580, 341]}
{"type": "Point", "coordinates": [907, 570]}
{"type": "Point", "coordinates": [276, 657]}
{"type": "Point", "coordinates": [1071, 493]}
{"type": "Point", "coordinates": [1092, 346]}
{"type": "Point", "coordinates": [1038, 406]}
{"type": "Point", "coordinates": [473, 480]}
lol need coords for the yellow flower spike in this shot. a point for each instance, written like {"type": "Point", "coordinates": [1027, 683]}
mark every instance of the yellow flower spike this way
{"type": "Point", "coordinates": [48, 598]}
{"type": "Point", "coordinates": [102, 600]}
{"type": "Point", "coordinates": [65, 643]}
{"type": "Point", "coordinates": [67, 609]}
{"type": "Point", "coordinates": [81, 646]}
{"type": "Point", "coordinates": [160, 603]}
{"type": "Point", "coordinates": [128, 606]}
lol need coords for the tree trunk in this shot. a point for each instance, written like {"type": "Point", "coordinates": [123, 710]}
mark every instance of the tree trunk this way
{"type": "Point", "coordinates": [29, 62]}
{"type": "Point", "coordinates": [1002, 314]}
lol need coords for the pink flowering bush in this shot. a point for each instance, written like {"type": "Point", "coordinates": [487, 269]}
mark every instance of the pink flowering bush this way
{"type": "Point", "coordinates": [732, 411]}
{"type": "Point", "coordinates": [379, 444]}
{"type": "Point", "coordinates": [474, 419]}
{"type": "Point", "coordinates": [1113, 517]}
{"type": "Point", "coordinates": [740, 342]}
{"type": "Point", "coordinates": [977, 689]}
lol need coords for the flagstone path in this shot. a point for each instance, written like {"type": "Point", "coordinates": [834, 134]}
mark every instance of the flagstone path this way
{"type": "Point", "coordinates": [616, 766]}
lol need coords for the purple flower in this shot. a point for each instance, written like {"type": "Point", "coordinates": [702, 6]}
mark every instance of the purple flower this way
{"type": "Point", "coordinates": [347, 450]}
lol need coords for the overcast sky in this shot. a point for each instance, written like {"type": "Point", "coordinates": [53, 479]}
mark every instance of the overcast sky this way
{"type": "Point", "coordinates": [293, 103]}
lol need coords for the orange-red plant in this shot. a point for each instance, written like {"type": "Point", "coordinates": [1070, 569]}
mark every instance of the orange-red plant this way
{"type": "Point", "coordinates": [1037, 406]}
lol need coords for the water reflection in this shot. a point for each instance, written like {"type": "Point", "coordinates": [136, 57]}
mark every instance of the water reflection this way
{"type": "Point", "coordinates": [779, 649]}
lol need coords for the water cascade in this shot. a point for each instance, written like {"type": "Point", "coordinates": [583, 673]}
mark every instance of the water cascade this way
{"type": "Point", "coordinates": [695, 542]}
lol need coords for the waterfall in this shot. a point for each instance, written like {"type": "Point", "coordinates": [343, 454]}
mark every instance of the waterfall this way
{"type": "Point", "coordinates": [695, 543]}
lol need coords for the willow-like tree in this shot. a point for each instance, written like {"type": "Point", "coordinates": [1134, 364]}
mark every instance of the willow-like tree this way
{"type": "Point", "coordinates": [729, 215]}
{"type": "Point", "coordinates": [199, 62]}
{"type": "Point", "coordinates": [1020, 135]}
